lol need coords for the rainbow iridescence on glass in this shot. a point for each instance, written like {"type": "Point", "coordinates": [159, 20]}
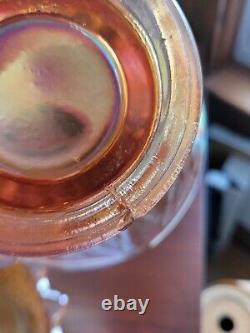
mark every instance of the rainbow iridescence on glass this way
{"type": "Point", "coordinates": [77, 94]}
{"type": "Point", "coordinates": [60, 90]}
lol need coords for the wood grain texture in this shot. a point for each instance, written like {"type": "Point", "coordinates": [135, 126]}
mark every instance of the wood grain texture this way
{"type": "Point", "coordinates": [170, 275]}
{"type": "Point", "coordinates": [202, 16]}
{"type": "Point", "coordinates": [226, 27]}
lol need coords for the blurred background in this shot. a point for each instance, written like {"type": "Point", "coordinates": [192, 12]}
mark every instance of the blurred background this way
{"type": "Point", "coordinates": [222, 31]}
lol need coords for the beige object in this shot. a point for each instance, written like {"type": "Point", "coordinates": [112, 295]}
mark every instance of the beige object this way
{"type": "Point", "coordinates": [226, 308]}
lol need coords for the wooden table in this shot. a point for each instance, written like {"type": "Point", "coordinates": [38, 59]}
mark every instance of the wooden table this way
{"type": "Point", "coordinates": [170, 276]}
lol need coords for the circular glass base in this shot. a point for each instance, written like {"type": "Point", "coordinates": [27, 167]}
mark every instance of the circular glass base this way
{"type": "Point", "coordinates": [61, 89]}
{"type": "Point", "coordinates": [149, 231]}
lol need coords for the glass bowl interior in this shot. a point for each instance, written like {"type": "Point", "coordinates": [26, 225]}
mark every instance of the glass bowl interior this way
{"type": "Point", "coordinates": [162, 28]}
